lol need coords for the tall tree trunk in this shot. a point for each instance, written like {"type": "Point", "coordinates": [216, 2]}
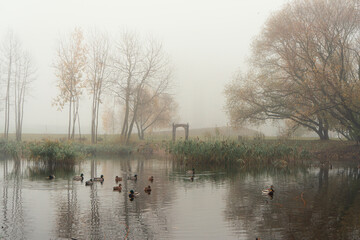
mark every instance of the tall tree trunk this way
{"type": "Point", "coordinates": [124, 129]}
{"type": "Point", "coordinates": [78, 118]}
{"type": "Point", "coordinates": [138, 129]}
{"type": "Point", "coordinates": [7, 100]}
{"type": "Point", "coordinates": [22, 115]}
{"type": "Point", "coordinates": [97, 116]}
{"type": "Point", "coordinates": [69, 127]}
{"type": "Point", "coordinates": [93, 117]}
{"type": "Point", "coordinates": [131, 125]}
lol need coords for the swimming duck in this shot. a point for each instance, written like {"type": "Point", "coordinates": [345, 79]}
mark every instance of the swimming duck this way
{"type": "Point", "coordinates": [117, 188]}
{"type": "Point", "coordinates": [147, 189]}
{"type": "Point", "coordinates": [89, 183]}
{"type": "Point", "coordinates": [50, 177]}
{"type": "Point", "coordinates": [191, 171]}
{"type": "Point", "coordinates": [270, 191]}
{"type": "Point", "coordinates": [133, 178]}
{"type": "Point", "coordinates": [133, 194]}
{"type": "Point", "coordinates": [79, 178]}
{"type": "Point", "coordinates": [118, 179]}
{"type": "Point", "coordinates": [151, 178]}
{"type": "Point", "coordinates": [99, 179]}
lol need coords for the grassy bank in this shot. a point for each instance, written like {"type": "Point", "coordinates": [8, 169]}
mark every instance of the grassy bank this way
{"type": "Point", "coordinates": [60, 151]}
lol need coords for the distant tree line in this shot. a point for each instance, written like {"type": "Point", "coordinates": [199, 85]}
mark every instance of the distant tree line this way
{"type": "Point", "coordinates": [304, 68]}
{"type": "Point", "coordinates": [136, 72]}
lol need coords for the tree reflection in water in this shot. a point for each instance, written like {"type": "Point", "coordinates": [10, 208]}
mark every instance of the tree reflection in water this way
{"type": "Point", "coordinates": [301, 209]}
{"type": "Point", "coordinates": [12, 201]}
{"type": "Point", "coordinates": [309, 202]}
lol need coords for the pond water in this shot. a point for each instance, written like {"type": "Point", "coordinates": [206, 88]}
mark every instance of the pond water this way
{"type": "Point", "coordinates": [310, 202]}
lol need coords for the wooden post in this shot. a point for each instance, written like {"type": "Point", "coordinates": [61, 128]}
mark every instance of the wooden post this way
{"type": "Point", "coordinates": [187, 131]}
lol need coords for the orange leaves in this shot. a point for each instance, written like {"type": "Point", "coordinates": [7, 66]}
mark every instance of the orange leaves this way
{"type": "Point", "coordinates": [69, 66]}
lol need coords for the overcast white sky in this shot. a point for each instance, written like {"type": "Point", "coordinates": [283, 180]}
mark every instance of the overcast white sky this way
{"type": "Point", "coordinates": [207, 40]}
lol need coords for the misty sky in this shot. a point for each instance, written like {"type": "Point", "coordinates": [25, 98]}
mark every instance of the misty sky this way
{"type": "Point", "coordinates": [207, 40]}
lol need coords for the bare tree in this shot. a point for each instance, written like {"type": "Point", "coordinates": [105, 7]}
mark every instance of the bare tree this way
{"type": "Point", "coordinates": [98, 73]}
{"type": "Point", "coordinates": [19, 74]}
{"type": "Point", "coordinates": [125, 62]}
{"type": "Point", "coordinates": [23, 77]}
{"type": "Point", "coordinates": [138, 66]}
{"type": "Point", "coordinates": [70, 65]}
{"type": "Point", "coordinates": [10, 53]}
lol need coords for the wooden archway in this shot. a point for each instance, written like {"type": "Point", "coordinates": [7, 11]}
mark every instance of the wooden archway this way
{"type": "Point", "coordinates": [185, 126]}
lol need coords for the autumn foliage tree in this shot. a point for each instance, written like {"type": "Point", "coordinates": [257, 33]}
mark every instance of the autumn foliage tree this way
{"type": "Point", "coordinates": [110, 119]}
{"type": "Point", "coordinates": [154, 112]}
{"type": "Point", "coordinates": [70, 66]}
{"type": "Point", "coordinates": [305, 67]}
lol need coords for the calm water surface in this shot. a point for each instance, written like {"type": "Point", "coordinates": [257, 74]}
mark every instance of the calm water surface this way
{"type": "Point", "coordinates": [310, 202]}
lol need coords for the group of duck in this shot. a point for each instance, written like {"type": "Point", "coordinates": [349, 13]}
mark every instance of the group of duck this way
{"type": "Point", "coordinates": [100, 179]}
{"type": "Point", "coordinates": [132, 193]}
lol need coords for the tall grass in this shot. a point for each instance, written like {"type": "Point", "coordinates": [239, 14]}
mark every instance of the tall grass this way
{"type": "Point", "coordinates": [60, 151]}
{"type": "Point", "coordinates": [54, 152]}
{"type": "Point", "coordinates": [232, 152]}
{"type": "Point", "coordinates": [13, 148]}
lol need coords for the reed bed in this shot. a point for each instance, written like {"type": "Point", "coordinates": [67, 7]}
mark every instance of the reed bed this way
{"type": "Point", "coordinates": [232, 152]}
{"type": "Point", "coordinates": [60, 151]}
{"type": "Point", "coordinates": [13, 148]}
{"type": "Point", "coordinates": [55, 152]}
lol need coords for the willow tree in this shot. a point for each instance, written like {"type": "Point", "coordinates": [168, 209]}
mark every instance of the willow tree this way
{"type": "Point", "coordinates": [70, 66]}
{"type": "Point", "coordinates": [98, 73]}
{"type": "Point", "coordinates": [305, 67]}
{"type": "Point", "coordinates": [138, 65]}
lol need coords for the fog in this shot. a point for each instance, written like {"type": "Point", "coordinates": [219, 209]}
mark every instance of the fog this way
{"type": "Point", "coordinates": [208, 41]}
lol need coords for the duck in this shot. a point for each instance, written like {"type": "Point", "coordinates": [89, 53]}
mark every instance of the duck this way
{"type": "Point", "coordinates": [79, 178]}
{"type": "Point", "coordinates": [89, 182]}
{"type": "Point", "coordinates": [117, 188]}
{"type": "Point", "coordinates": [270, 191]}
{"type": "Point", "coordinates": [191, 171]}
{"type": "Point", "coordinates": [133, 178]}
{"type": "Point", "coordinates": [147, 189]}
{"type": "Point", "coordinates": [118, 179]}
{"type": "Point", "coordinates": [99, 179]}
{"type": "Point", "coordinates": [151, 179]}
{"type": "Point", "coordinates": [133, 194]}
{"type": "Point", "coordinates": [50, 177]}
